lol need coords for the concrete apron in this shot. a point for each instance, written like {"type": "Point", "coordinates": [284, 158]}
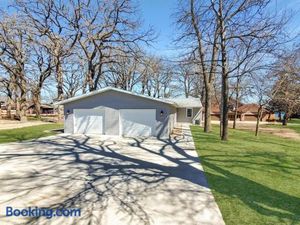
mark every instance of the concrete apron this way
{"type": "Point", "coordinates": [112, 180]}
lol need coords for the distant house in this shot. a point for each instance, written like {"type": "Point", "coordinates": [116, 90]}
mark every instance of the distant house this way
{"type": "Point", "coordinates": [215, 112]}
{"type": "Point", "coordinates": [246, 112]}
{"type": "Point", "coordinates": [3, 101]}
{"type": "Point", "coordinates": [46, 109]}
{"type": "Point", "coordinates": [249, 112]}
{"type": "Point", "coordinates": [4, 107]}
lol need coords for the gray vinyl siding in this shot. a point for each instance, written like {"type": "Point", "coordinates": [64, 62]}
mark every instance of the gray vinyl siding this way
{"type": "Point", "coordinates": [112, 102]}
{"type": "Point", "coordinates": [181, 115]}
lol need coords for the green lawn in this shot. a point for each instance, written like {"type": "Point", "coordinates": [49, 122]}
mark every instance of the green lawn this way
{"type": "Point", "coordinates": [255, 180]}
{"type": "Point", "coordinates": [27, 133]}
{"type": "Point", "coordinates": [293, 124]}
{"type": "Point", "coordinates": [294, 121]}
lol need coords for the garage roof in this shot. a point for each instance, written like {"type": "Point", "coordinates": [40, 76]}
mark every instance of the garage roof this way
{"type": "Point", "coordinates": [189, 102]}
{"type": "Point", "coordinates": [112, 89]}
{"type": "Point", "coordinates": [177, 102]}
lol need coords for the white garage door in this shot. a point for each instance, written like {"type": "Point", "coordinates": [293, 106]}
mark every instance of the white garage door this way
{"type": "Point", "coordinates": [88, 121]}
{"type": "Point", "coordinates": [137, 122]}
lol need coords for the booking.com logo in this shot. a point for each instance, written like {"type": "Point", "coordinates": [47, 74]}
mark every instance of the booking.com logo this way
{"type": "Point", "coordinates": [42, 212]}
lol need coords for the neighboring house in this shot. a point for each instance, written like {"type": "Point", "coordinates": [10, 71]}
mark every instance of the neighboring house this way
{"type": "Point", "coordinates": [246, 112]}
{"type": "Point", "coordinates": [215, 112]}
{"type": "Point", "coordinates": [249, 112]}
{"type": "Point", "coordinates": [4, 107]}
{"type": "Point", "coordinates": [46, 109]}
{"type": "Point", "coordinates": [113, 111]}
{"type": "Point", "coordinates": [3, 101]}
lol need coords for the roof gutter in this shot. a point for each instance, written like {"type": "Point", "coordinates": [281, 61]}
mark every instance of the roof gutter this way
{"type": "Point", "coordinates": [112, 89]}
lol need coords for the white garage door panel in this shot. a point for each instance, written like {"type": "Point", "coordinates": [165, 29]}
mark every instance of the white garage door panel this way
{"type": "Point", "coordinates": [137, 122]}
{"type": "Point", "coordinates": [88, 121]}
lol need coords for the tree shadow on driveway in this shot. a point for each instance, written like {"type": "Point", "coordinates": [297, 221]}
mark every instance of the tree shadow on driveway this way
{"type": "Point", "coordinates": [112, 180]}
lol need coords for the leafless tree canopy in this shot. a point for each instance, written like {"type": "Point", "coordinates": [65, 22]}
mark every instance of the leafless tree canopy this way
{"type": "Point", "coordinates": [227, 38]}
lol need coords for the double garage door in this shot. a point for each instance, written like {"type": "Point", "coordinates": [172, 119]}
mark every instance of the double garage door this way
{"type": "Point", "coordinates": [132, 122]}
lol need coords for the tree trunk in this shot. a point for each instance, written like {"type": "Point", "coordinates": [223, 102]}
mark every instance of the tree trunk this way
{"type": "Point", "coordinates": [235, 116]}
{"type": "Point", "coordinates": [143, 89]}
{"type": "Point", "coordinates": [23, 99]}
{"type": "Point", "coordinates": [9, 100]}
{"type": "Point", "coordinates": [91, 84]}
{"type": "Point", "coordinates": [208, 80]}
{"type": "Point", "coordinates": [15, 100]}
{"type": "Point", "coordinates": [259, 113]}
{"type": "Point", "coordinates": [186, 88]}
{"type": "Point", "coordinates": [17, 108]}
{"type": "Point", "coordinates": [285, 119]}
{"type": "Point", "coordinates": [98, 77]}
{"type": "Point", "coordinates": [221, 118]}
{"type": "Point", "coordinates": [207, 110]}
{"type": "Point", "coordinates": [59, 74]}
{"type": "Point", "coordinates": [8, 108]}
{"type": "Point", "coordinates": [224, 136]}
{"type": "Point", "coordinates": [85, 84]}
{"type": "Point", "coordinates": [37, 102]}
{"type": "Point", "coordinates": [279, 116]}
{"type": "Point", "coordinates": [60, 92]}
{"type": "Point", "coordinates": [236, 104]}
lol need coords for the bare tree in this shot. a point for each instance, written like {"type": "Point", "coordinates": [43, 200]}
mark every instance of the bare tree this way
{"type": "Point", "coordinates": [156, 76]}
{"type": "Point", "coordinates": [241, 76]}
{"type": "Point", "coordinates": [261, 91]}
{"type": "Point", "coordinates": [286, 89]}
{"type": "Point", "coordinates": [40, 69]}
{"type": "Point", "coordinates": [48, 21]}
{"type": "Point", "coordinates": [6, 87]}
{"type": "Point", "coordinates": [73, 77]}
{"type": "Point", "coordinates": [187, 78]}
{"type": "Point", "coordinates": [13, 56]}
{"type": "Point", "coordinates": [199, 27]}
{"type": "Point", "coordinates": [124, 72]}
{"type": "Point", "coordinates": [105, 30]}
{"type": "Point", "coordinates": [247, 23]}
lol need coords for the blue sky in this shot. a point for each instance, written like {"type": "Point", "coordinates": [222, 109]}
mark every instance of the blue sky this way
{"type": "Point", "coordinates": [158, 13]}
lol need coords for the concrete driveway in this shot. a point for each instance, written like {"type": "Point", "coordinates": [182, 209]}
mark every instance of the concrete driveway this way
{"type": "Point", "coordinates": [113, 180]}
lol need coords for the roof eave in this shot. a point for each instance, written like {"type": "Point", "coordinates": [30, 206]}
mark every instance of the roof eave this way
{"type": "Point", "coordinates": [63, 102]}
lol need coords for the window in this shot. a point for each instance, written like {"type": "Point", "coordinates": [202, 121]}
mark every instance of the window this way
{"type": "Point", "coordinates": [189, 113]}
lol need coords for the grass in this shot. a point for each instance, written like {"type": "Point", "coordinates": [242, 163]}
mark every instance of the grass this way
{"type": "Point", "coordinates": [293, 124]}
{"type": "Point", "coordinates": [33, 118]}
{"type": "Point", "coordinates": [255, 180]}
{"type": "Point", "coordinates": [27, 133]}
{"type": "Point", "coordinates": [294, 121]}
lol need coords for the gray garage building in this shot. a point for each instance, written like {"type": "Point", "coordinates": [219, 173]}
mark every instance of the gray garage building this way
{"type": "Point", "coordinates": [112, 111]}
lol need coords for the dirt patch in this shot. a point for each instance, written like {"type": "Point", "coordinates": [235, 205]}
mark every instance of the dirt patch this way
{"type": "Point", "coordinates": [13, 124]}
{"type": "Point", "coordinates": [281, 132]}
